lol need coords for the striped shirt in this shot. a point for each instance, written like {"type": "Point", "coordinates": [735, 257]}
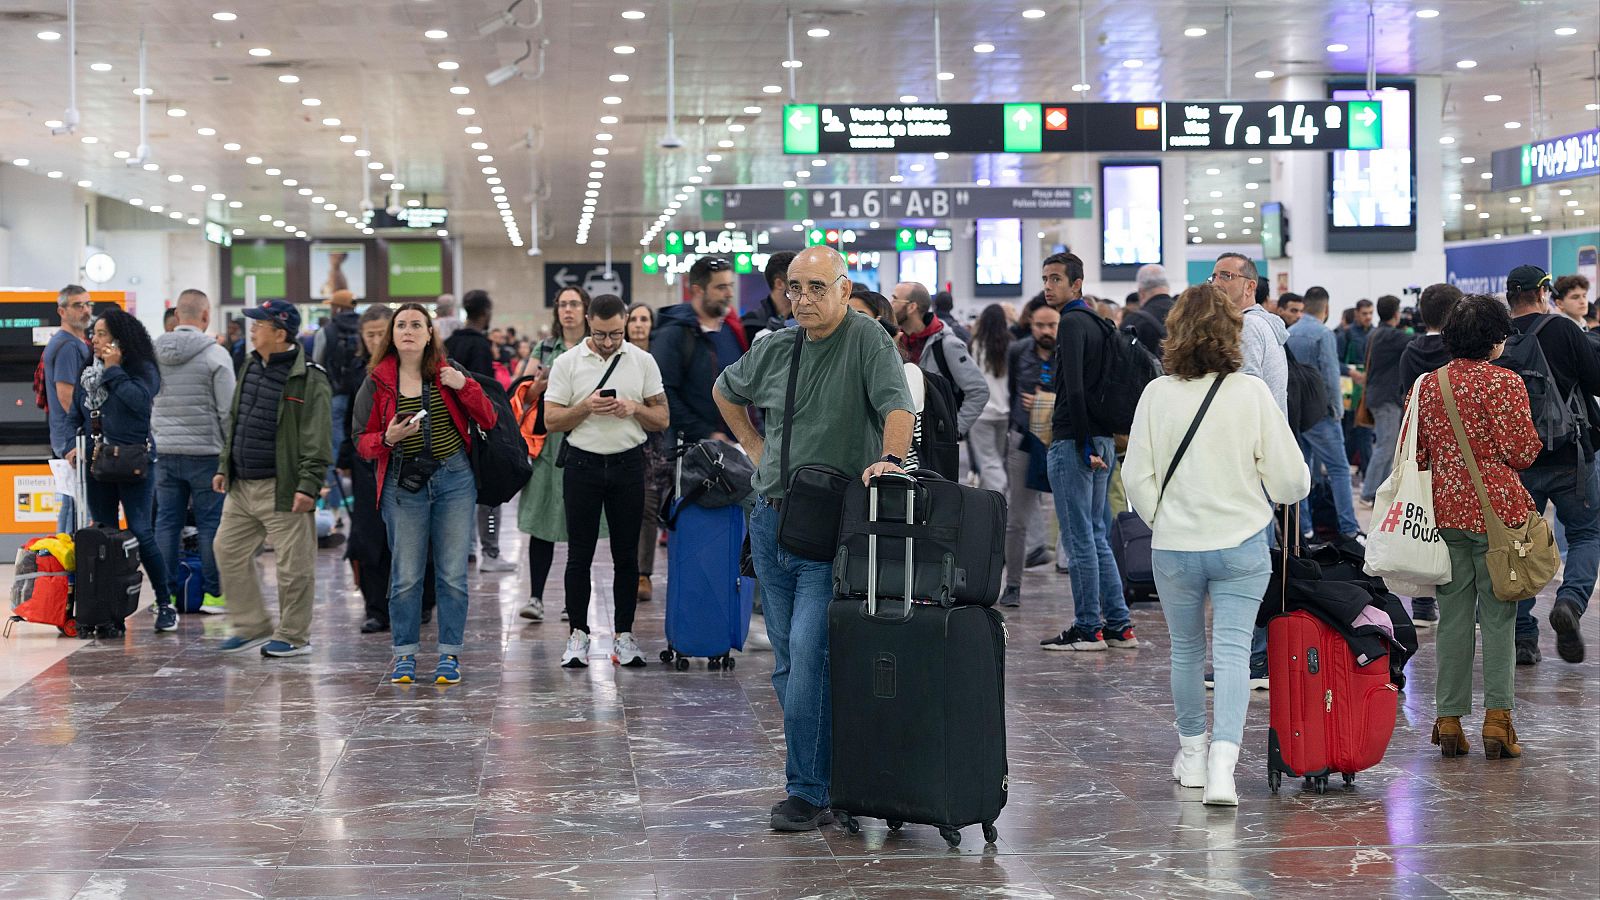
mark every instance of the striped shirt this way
{"type": "Point", "coordinates": [446, 440]}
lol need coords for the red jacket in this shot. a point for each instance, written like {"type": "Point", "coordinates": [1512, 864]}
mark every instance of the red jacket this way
{"type": "Point", "coordinates": [378, 398]}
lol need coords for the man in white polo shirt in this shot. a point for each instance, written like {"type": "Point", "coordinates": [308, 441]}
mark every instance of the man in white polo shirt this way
{"type": "Point", "coordinates": [606, 393]}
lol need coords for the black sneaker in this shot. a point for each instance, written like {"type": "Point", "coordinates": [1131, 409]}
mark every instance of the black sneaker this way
{"type": "Point", "coordinates": [1424, 612]}
{"type": "Point", "coordinates": [1012, 596]}
{"type": "Point", "coordinates": [1564, 619]}
{"type": "Point", "coordinates": [1039, 556]}
{"type": "Point", "coordinates": [374, 625]}
{"type": "Point", "coordinates": [1075, 638]}
{"type": "Point", "coordinates": [795, 814]}
{"type": "Point", "coordinates": [1211, 681]}
{"type": "Point", "coordinates": [1528, 652]}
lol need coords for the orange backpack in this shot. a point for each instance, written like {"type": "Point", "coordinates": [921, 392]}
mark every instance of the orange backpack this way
{"type": "Point", "coordinates": [529, 411]}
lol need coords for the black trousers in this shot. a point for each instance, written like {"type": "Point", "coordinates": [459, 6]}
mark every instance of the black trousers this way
{"type": "Point", "coordinates": [613, 484]}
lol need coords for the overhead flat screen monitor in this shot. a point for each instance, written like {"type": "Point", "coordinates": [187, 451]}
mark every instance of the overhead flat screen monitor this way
{"type": "Point", "coordinates": [1372, 194]}
{"type": "Point", "coordinates": [921, 266]}
{"type": "Point", "coordinates": [1130, 218]}
{"type": "Point", "coordinates": [998, 258]}
{"type": "Point", "coordinates": [1274, 231]}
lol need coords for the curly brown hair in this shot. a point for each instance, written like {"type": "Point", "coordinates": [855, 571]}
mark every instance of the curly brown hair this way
{"type": "Point", "coordinates": [1203, 331]}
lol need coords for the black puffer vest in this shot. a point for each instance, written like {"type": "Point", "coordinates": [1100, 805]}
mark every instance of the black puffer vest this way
{"type": "Point", "coordinates": [255, 429]}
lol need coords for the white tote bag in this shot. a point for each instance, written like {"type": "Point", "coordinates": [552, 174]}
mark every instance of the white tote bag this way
{"type": "Point", "coordinates": [1403, 546]}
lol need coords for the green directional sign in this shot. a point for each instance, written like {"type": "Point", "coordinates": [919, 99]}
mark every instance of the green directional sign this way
{"type": "Point", "coordinates": [801, 131]}
{"type": "Point", "coordinates": [711, 206]}
{"type": "Point", "coordinates": [905, 240]}
{"type": "Point", "coordinates": [815, 237]}
{"type": "Point", "coordinates": [743, 264]}
{"type": "Point", "coordinates": [674, 243]}
{"type": "Point", "coordinates": [795, 206]}
{"type": "Point", "coordinates": [651, 267]}
{"type": "Point", "coordinates": [1525, 168]}
{"type": "Point", "coordinates": [416, 268]}
{"type": "Point", "coordinates": [1082, 203]}
{"type": "Point", "coordinates": [1024, 124]}
{"type": "Point", "coordinates": [266, 262]}
{"type": "Point", "coordinates": [1366, 124]}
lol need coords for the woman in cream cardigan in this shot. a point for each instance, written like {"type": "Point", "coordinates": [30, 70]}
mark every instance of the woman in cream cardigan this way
{"type": "Point", "coordinates": [1210, 521]}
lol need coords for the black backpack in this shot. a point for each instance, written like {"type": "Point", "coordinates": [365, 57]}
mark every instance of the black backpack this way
{"type": "Point", "coordinates": [500, 463]}
{"type": "Point", "coordinates": [345, 372]}
{"type": "Point", "coordinates": [1308, 395]}
{"type": "Point", "coordinates": [1128, 366]}
{"type": "Point", "coordinates": [1560, 420]}
{"type": "Point", "coordinates": [938, 446]}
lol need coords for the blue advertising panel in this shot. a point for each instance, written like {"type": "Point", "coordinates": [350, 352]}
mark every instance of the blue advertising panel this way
{"type": "Point", "coordinates": [1482, 268]}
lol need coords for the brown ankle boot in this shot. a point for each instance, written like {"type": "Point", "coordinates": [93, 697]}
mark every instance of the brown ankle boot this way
{"type": "Point", "coordinates": [1447, 734]}
{"type": "Point", "coordinates": [645, 591]}
{"type": "Point", "coordinates": [1499, 736]}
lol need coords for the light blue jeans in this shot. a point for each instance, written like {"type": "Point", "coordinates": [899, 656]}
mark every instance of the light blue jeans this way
{"type": "Point", "coordinates": [795, 593]}
{"type": "Point", "coordinates": [1085, 516]}
{"type": "Point", "coordinates": [436, 520]}
{"type": "Point", "coordinates": [1235, 578]}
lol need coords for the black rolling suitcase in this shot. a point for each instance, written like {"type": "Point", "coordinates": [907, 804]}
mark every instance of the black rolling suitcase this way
{"type": "Point", "coordinates": [1130, 547]}
{"type": "Point", "coordinates": [960, 539]}
{"type": "Point", "coordinates": [105, 587]}
{"type": "Point", "coordinates": [918, 692]}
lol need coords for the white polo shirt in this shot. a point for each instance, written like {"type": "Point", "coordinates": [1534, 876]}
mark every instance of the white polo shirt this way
{"type": "Point", "coordinates": [574, 377]}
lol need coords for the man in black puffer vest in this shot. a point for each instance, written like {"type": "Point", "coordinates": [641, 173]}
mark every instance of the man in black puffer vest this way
{"type": "Point", "coordinates": [277, 446]}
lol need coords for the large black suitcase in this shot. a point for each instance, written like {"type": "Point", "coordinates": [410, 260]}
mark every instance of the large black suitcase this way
{"type": "Point", "coordinates": [959, 534]}
{"type": "Point", "coordinates": [918, 693]}
{"type": "Point", "coordinates": [105, 589]}
{"type": "Point", "coordinates": [1130, 547]}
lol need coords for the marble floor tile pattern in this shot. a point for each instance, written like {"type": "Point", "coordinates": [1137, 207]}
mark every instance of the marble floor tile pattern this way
{"type": "Point", "coordinates": [152, 767]}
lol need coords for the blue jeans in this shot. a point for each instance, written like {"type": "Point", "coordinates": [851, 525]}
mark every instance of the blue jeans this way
{"type": "Point", "coordinates": [135, 498]}
{"type": "Point", "coordinates": [66, 514]}
{"type": "Point", "coordinates": [436, 520]}
{"type": "Point", "coordinates": [1323, 445]}
{"type": "Point", "coordinates": [341, 414]}
{"type": "Point", "coordinates": [1380, 462]}
{"type": "Point", "coordinates": [1578, 509]}
{"type": "Point", "coordinates": [181, 480]}
{"type": "Point", "coordinates": [1235, 578]}
{"type": "Point", "coordinates": [1085, 516]}
{"type": "Point", "coordinates": [795, 593]}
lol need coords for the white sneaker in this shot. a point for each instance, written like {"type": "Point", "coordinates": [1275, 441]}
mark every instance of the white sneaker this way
{"type": "Point", "coordinates": [495, 564]}
{"type": "Point", "coordinates": [1189, 766]}
{"type": "Point", "coordinates": [1220, 790]}
{"type": "Point", "coordinates": [1261, 683]}
{"type": "Point", "coordinates": [625, 651]}
{"type": "Point", "coordinates": [577, 653]}
{"type": "Point", "coordinates": [534, 611]}
{"type": "Point", "coordinates": [757, 638]}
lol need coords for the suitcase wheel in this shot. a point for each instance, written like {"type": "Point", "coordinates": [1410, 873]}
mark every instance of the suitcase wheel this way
{"type": "Point", "coordinates": [1274, 779]}
{"type": "Point", "coordinates": [1322, 784]}
{"type": "Point", "coordinates": [667, 656]}
{"type": "Point", "coordinates": [850, 823]}
{"type": "Point", "coordinates": [1349, 779]}
{"type": "Point", "coordinates": [682, 665]}
{"type": "Point", "coordinates": [990, 833]}
{"type": "Point", "coordinates": [951, 836]}
{"type": "Point", "coordinates": [896, 824]}
{"type": "Point", "coordinates": [713, 664]}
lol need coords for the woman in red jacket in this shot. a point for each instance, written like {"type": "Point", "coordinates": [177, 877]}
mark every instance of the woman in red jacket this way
{"type": "Point", "coordinates": [1493, 406]}
{"type": "Point", "coordinates": [416, 408]}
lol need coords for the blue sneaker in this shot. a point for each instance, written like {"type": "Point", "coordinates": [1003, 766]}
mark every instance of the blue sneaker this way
{"type": "Point", "coordinates": [166, 617]}
{"type": "Point", "coordinates": [404, 671]}
{"type": "Point", "coordinates": [238, 644]}
{"type": "Point", "coordinates": [448, 671]}
{"type": "Point", "coordinates": [281, 649]}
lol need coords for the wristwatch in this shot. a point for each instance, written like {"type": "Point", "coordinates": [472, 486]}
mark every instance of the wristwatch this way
{"type": "Point", "coordinates": [892, 459]}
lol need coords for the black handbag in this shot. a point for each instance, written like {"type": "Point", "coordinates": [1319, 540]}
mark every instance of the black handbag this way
{"type": "Point", "coordinates": [813, 502]}
{"type": "Point", "coordinates": [117, 463]}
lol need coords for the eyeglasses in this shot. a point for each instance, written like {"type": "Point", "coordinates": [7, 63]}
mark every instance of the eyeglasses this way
{"type": "Point", "coordinates": [570, 304]}
{"type": "Point", "coordinates": [608, 337]}
{"type": "Point", "coordinates": [816, 291]}
{"type": "Point", "coordinates": [1224, 277]}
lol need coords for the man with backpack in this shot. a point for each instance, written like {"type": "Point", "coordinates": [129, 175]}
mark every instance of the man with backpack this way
{"type": "Point", "coordinates": [1081, 458]}
{"type": "Point", "coordinates": [469, 345]}
{"type": "Point", "coordinates": [1562, 372]}
{"type": "Point", "coordinates": [335, 347]}
{"type": "Point", "coordinates": [934, 347]}
{"type": "Point", "coordinates": [693, 343]}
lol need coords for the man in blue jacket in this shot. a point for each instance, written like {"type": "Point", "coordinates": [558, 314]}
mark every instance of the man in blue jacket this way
{"type": "Point", "coordinates": [1311, 341]}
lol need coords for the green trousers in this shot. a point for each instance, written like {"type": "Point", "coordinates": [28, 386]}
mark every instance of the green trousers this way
{"type": "Point", "coordinates": [1469, 598]}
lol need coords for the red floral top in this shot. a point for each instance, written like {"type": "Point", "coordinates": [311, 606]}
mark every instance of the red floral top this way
{"type": "Point", "coordinates": [1493, 404]}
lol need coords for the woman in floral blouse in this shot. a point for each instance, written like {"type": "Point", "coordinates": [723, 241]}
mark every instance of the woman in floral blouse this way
{"type": "Point", "coordinates": [1493, 405]}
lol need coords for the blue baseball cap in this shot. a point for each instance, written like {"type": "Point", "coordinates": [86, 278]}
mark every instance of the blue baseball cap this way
{"type": "Point", "coordinates": [281, 313]}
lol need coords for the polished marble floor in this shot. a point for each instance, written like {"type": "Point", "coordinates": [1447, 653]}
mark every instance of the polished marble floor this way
{"type": "Point", "coordinates": [155, 768]}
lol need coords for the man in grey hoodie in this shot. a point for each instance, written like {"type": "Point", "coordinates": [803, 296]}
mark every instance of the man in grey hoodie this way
{"type": "Point", "coordinates": [191, 413]}
{"type": "Point", "coordinates": [1264, 336]}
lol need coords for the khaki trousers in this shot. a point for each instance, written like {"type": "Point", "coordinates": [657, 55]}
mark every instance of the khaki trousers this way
{"type": "Point", "coordinates": [250, 515]}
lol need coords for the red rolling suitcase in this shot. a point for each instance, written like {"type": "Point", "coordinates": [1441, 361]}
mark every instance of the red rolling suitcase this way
{"type": "Point", "coordinates": [1328, 714]}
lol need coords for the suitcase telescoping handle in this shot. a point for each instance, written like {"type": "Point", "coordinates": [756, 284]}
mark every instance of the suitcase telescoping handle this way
{"type": "Point", "coordinates": [909, 485]}
{"type": "Point", "coordinates": [80, 499]}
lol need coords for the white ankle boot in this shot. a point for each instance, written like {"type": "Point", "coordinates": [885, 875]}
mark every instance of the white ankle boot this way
{"type": "Point", "coordinates": [1219, 775]}
{"type": "Point", "coordinates": [1189, 766]}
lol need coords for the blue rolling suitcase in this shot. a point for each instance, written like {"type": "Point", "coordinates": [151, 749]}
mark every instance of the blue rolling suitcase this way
{"type": "Point", "coordinates": [191, 582]}
{"type": "Point", "coordinates": [708, 603]}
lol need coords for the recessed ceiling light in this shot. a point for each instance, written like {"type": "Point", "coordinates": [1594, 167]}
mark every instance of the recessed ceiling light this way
{"type": "Point", "coordinates": [1427, 13]}
{"type": "Point", "coordinates": [363, 152]}
{"type": "Point", "coordinates": [289, 79]}
{"type": "Point", "coordinates": [449, 65]}
{"type": "Point", "coordinates": [608, 120]}
{"type": "Point", "coordinates": [91, 139]}
{"type": "Point", "coordinates": [490, 170]}
{"type": "Point", "coordinates": [1033, 14]}
{"type": "Point", "coordinates": [1255, 160]}
{"type": "Point", "coordinates": [466, 111]}
{"type": "Point", "coordinates": [386, 176]}
{"type": "Point", "coordinates": [54, 174]}
{"type": "Point", "coordinates": [1468, 160]}
{"type": "Point", "coordinates": [947, 76]}
{"type": "Point", "coordinates": [143, 92]}
{"type": "Point", "coordinates": [224, 16]}
{"type": "Point", "coordinates": [1512, 125]}
{"type": "Point", "coordinates": [611, 101]}
{"type": "Point", "coordinates": [771, 89]}
{"type": "Point", "coordinates": [1132, 63]}
{"type": "Point", "coordinates": [49, 35]}
{"type": "Point", "coordinates": [290, 182]}
{"type": "Point", "coordinates": [597, 164]}
{"type": "Point", "coordinates": [158, 208]}
{"type": "Point", "coordinates": [632, 15]}
{"type": "Point", "coordinates": [347, 139]}
{"type": "Point", "coordinates": [713, 157]}
{"type": "Point", "coordinates": [260, 51]}
{"type": "Point", "coordinates": [623, 49]}
{"type": "Point", "coordinates": [100, 67]}
{"type": "Point", "coordinates": [1491, 98]}
{"type": "Point", "coordinates": [1592, 107]}
{"type": "Point", "coordinates": [1216, 194]}
{"type": "Point", "coordinates": [1338, 48]}
{"type": "Point", "coordinates": [52, 123]}
{"type": "Point", "coordinates": [1486, 175]}
{"type": "Point", "coordinates": [152, 167]}
{"type": "Point", "coordinates": [1265, 73]}
{"type": "Point", "coordinates": [983, 48]}
{"type": "Point", "coordinates": [473, 129]}
{"type": "Point", "coordinates": [486, 158]}
{"type": "Point", "coordinates": [818, 32]}
{"type": "Point", "coordinates": [87, 183]}
{"type": "Point", "coordinates": [177, 112]}
{"type": "Point", "coordinates": [1446, 139]}
{"type": "Point", "coordinates": [436, 34]}
{"type": "Point", "coordinates": [1248, 204]}
{"type": "Point", "coordinates": [940, 155]}
{"type": "Point", "coordinates": [1216, 212]}
{"type": "Point", "coordinates": [1251, 186]}
{"type": "Point", "coordinates": [1566, 31]}
{"type": "Point", "coordinates": [460, 89]}
{"type": "Point", "coordinates": [375, 165]}
{"type": "Point", "coordinates": [310, 101]}
{"type": "Point", "coordinates": [1213, 171]}
{"type": "Point", "coordinates": [231, 147]}
{"type": "Point", "coordinates": [175, 178]}
{"type": "Point", "coordinates": [725, 144]}
{"type": "Point", "coordinates": [1466, 64]}
{"type": "Point", "coordinates": [735, 128]}
{"type": "Point", "coordinates": [1194, 31]}
{"type": "Point", "coordinates": [619, 78]}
